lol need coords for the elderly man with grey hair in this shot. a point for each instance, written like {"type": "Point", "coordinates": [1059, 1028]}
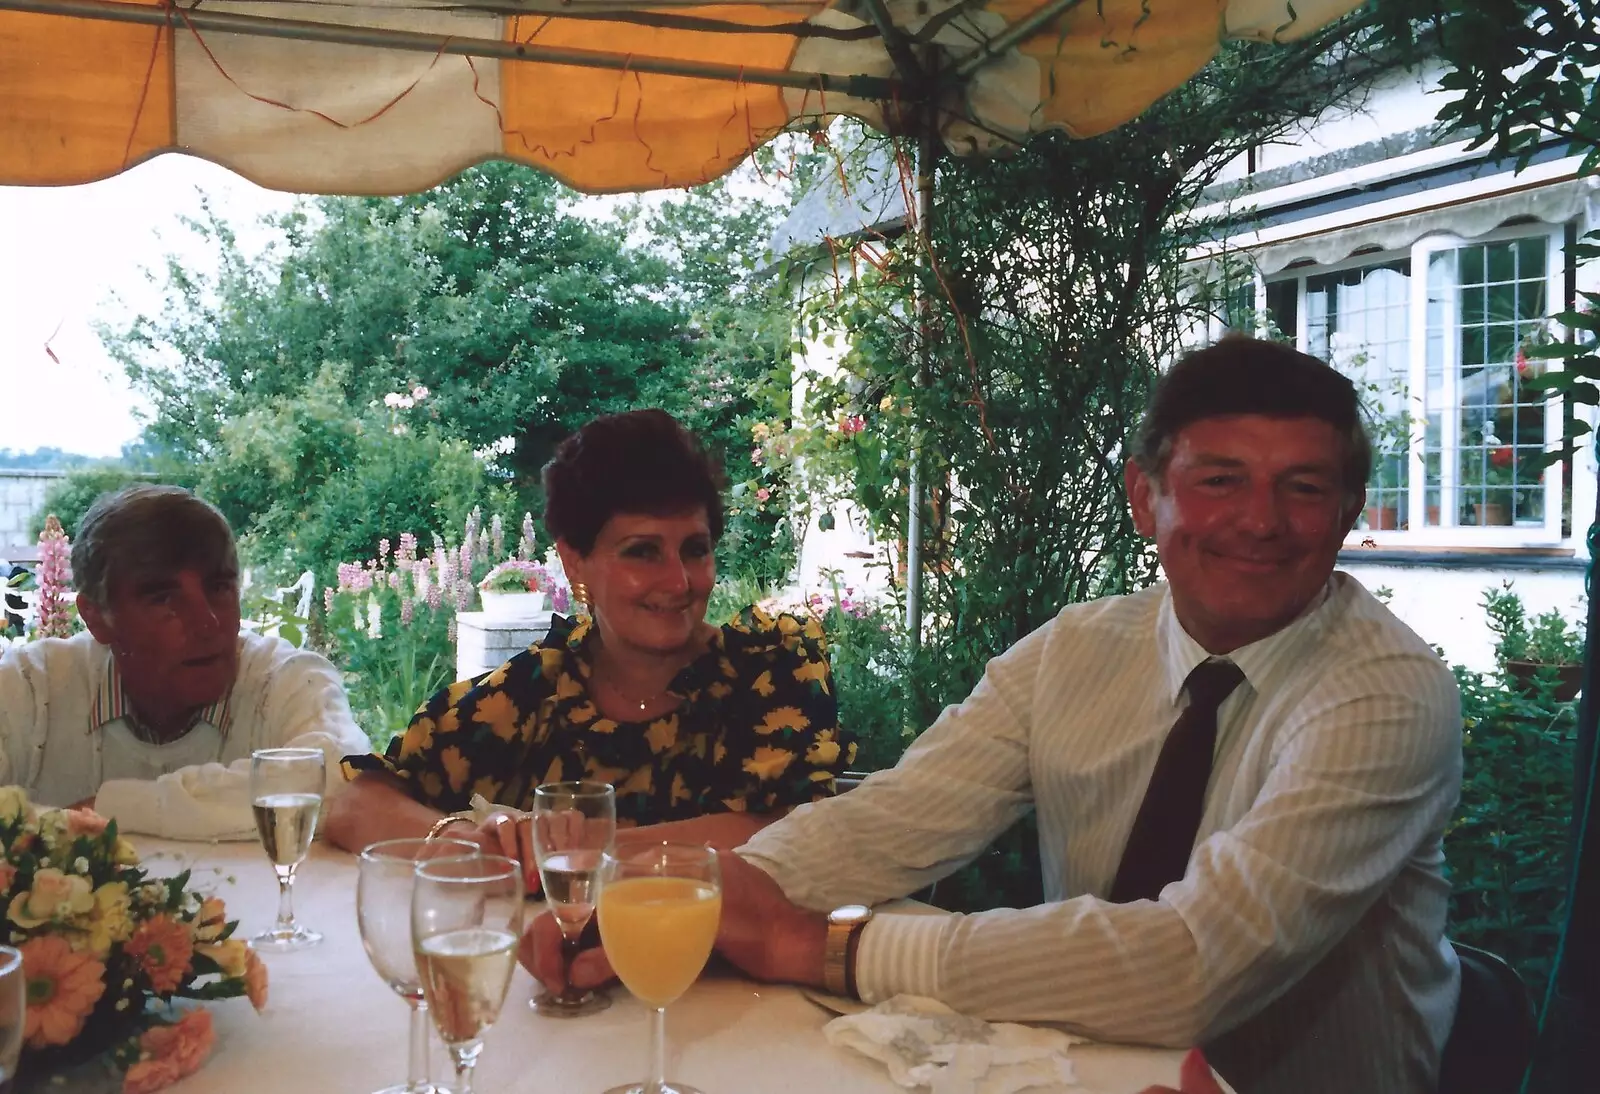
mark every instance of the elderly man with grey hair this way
{"type": "Point", "coordinates": [151, 716]}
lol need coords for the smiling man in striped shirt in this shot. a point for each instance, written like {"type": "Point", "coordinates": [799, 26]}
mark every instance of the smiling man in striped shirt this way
{"type": "Point", "coordinates": [1242, 778]}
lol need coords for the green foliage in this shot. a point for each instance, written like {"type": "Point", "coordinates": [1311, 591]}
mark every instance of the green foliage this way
{"type": "Point", "coordinates": [1014, 360]}
{"type": "Point", "coordinates": [521, 318]}
{"type": "Point", "coordinates": [867, 653]}
{"type": "Point", "coordinates": [1546, 639]}
{"type": "Point", "coordinates": [1507, 852]}
{"type": "Point", "coordinates": [390, 670]}
{"type": "Point", "coordinates": [70, 497]}
{"type": "Point", "coordinates": [1508, 622]}
{"type": "Point", "coordinates": [314, 482]}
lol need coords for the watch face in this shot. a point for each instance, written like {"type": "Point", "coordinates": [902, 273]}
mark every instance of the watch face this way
{"type": "Point", "coordinates": [850, 914]}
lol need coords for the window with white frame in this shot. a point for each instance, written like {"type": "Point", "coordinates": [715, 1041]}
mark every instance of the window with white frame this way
{"type": "Point", "coordinates": [1436, 340]}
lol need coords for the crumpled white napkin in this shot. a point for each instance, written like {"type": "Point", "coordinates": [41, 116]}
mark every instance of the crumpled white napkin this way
{"type": "Point", "coordinates": [925, 1043]}
{"type": "Point", "coordinates": [483, 809]}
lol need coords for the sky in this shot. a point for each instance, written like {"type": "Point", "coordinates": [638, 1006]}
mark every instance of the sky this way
{"type": "Point", "coordinates": [72, 255]}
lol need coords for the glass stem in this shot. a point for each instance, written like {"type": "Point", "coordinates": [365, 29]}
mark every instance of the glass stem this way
{"type": "Point", "coordinates": [465, 1058]}
{"type": "Point", "coordinates": [658, 1052]}
{"type": "Point", "coordinates": [417, 1070]}
{"type": "Point", "coordinates": [286, 899]}
{"type": "Point", "coordinates": [570, 944]}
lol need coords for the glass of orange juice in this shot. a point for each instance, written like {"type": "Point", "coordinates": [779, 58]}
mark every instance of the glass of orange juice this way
{"type": "Point", "coordinates": [659, 908]}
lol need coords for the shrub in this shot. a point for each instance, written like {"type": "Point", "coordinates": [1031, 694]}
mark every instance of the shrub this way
{"type": "Point", "coordinates": [70, 497]}
{"type": "Point", "coordinates": [1507, 850]}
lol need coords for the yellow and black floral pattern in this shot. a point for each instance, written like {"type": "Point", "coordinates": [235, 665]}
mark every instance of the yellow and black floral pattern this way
{"type": "Point", "coordinates": [757, 729]}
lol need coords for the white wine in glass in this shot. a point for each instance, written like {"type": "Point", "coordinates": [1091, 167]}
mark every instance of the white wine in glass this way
{"type": "Point", "coordinates": [286, 793]}
{"type": "Point", "coordinates": [386, 878]}
{"type": "Point", "coordinates": [659, 909]}
{"type": "Point", "coordinates": [574, 824]}
{"type": "Point", "coordinates": [466, 920]}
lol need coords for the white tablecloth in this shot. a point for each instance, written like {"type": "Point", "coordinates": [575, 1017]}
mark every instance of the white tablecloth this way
{"type": "Point", "coordinates": [332, 1026]}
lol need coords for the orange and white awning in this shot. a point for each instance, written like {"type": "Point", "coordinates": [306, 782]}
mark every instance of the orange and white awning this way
{"type": "Point", "coordinates": [388, 96]}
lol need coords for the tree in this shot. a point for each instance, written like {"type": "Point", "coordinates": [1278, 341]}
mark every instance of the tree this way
{"type": "Point", "coordinates": [521, 319]}
{"type": "Point", "coordinates": [1016, 356]}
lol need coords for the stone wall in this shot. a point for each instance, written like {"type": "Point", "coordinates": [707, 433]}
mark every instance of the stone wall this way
{"type": "Point", "coordinates": [22, 492]}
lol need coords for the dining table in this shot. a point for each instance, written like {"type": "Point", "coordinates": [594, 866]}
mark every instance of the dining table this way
{"type": "Point", "coordinates": [331, 1026]}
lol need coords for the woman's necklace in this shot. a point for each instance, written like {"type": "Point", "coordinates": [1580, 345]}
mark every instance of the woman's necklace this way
{"type": "Point", "coordinates": [644, 704]}
{"type": "Point", "coordinates": [631, 699]}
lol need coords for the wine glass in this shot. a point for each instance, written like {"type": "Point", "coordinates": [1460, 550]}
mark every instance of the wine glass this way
{"type": "Point", "coordinates": [13, 1009]}
{"type": "Point", "coordinates": [466, 921]}
{"type": "Point", "coordinates": [659, 908]}
{"type": "Point", "coordinates": [573, 824]}
{"type": "Point", "coordinates": [386, 877]}
{"type": "Point", "coordinates": [286, 791]}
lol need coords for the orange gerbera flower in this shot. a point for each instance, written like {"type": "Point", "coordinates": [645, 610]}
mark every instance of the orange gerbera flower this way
{"type": "Point", "coordinates": [63, 987]}
{"type": "Point", "coordinates": [162, 948]}
{"type": "Point", "coordinates": [255, 980]}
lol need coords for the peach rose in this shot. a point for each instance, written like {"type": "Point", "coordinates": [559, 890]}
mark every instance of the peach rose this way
{"type": "Point", "coordinates": [85, 822]}
{"type": "Point", "coordinates": [8, 874]}
{"type": "Point", "coordinates": [54, 896]}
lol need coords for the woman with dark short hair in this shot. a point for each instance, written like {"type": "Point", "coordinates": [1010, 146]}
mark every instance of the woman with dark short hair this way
{"type": "Point", "coordinates": [710, 730]}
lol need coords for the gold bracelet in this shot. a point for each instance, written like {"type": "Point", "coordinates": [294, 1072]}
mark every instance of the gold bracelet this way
{"type": "Point", "coordinates": [444, 822]}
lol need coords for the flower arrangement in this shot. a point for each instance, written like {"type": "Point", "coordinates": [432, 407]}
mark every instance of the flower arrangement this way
{"type": "Point", "coordinates": [106, 948]}
{"type": "Point", "coordinates": [515, 575]}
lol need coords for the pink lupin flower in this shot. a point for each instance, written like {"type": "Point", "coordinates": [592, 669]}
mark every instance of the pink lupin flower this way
{"type": "Point", "coordinates": [55, 580]}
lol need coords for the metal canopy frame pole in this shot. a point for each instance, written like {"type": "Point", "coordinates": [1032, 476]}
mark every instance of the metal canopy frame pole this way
{"type": "Point", "coordinates": [861, 87]}
{"type": "Point", "coordinates": [927, 160]}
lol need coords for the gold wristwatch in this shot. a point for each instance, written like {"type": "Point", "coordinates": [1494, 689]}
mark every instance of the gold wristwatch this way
{"type": "Point", "coordinates": [839, 952]}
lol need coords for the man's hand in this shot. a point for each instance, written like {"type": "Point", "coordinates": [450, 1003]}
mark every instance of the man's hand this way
{"type": "Point", "coordinates": [762, 932]}
{"type": "Point", "coordinates": [540, 953]}
{"type": "Point", "coordinates": [1194, 1078]}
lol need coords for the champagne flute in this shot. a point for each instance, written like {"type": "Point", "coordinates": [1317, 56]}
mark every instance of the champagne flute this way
{"type": "Point", "coordinates": [384, 884]}
{"type": "Point", "coordinates": [574, 823]}
{"type": "Point", "coordinates": [466, 921]}
{"type": "Point", "coordinates": [286, 790]}
{"type": "Point", "coordinates": [659, 908]}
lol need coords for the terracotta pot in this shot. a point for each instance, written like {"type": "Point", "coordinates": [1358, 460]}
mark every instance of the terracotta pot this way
{"type": "Point", "coordinates": [1491, 513]}
{"type": "Point", "coordinates": [1568, 677]}
{"type": "Point", "coordinates": [1383, 518]}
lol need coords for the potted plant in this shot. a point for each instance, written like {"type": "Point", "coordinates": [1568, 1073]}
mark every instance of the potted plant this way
{"type": "Point", "coordinates": [1390, 426]}
{"type": "Point", "coordinates": [515, 589]}
{"type": "Point", "coordinates": [1488, 479]}
{"type": "Point", "coordinates": [1545, 648]}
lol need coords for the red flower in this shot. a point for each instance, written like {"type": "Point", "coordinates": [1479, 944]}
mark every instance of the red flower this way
{"type": "Point", "coordinates": [1502, 456]}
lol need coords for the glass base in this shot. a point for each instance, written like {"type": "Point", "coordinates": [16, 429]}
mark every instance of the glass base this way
{"type": "Point", "coordinates": [549, 1005]}
{"type": "Point", "coordinates": [407, 1088]}
{"type": "Point", "coordinates": [645, 1088]}
{"type": "Point", "coordinates": [284, 940]}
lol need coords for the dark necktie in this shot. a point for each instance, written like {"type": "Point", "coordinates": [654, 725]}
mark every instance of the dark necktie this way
{"type": "Point", "coordinates": [1163, 833]}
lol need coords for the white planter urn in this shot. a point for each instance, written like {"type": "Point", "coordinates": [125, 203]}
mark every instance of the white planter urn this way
{"type": "Point", "coordinates": [507, 606]}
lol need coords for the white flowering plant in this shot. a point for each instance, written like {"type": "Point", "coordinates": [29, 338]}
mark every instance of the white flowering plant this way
{"type": "Point", "coordinates": [107, 948]}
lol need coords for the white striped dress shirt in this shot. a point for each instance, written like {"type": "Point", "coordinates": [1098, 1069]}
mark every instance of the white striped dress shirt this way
{"type": "Point", "coordinates": [1305, 945]}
